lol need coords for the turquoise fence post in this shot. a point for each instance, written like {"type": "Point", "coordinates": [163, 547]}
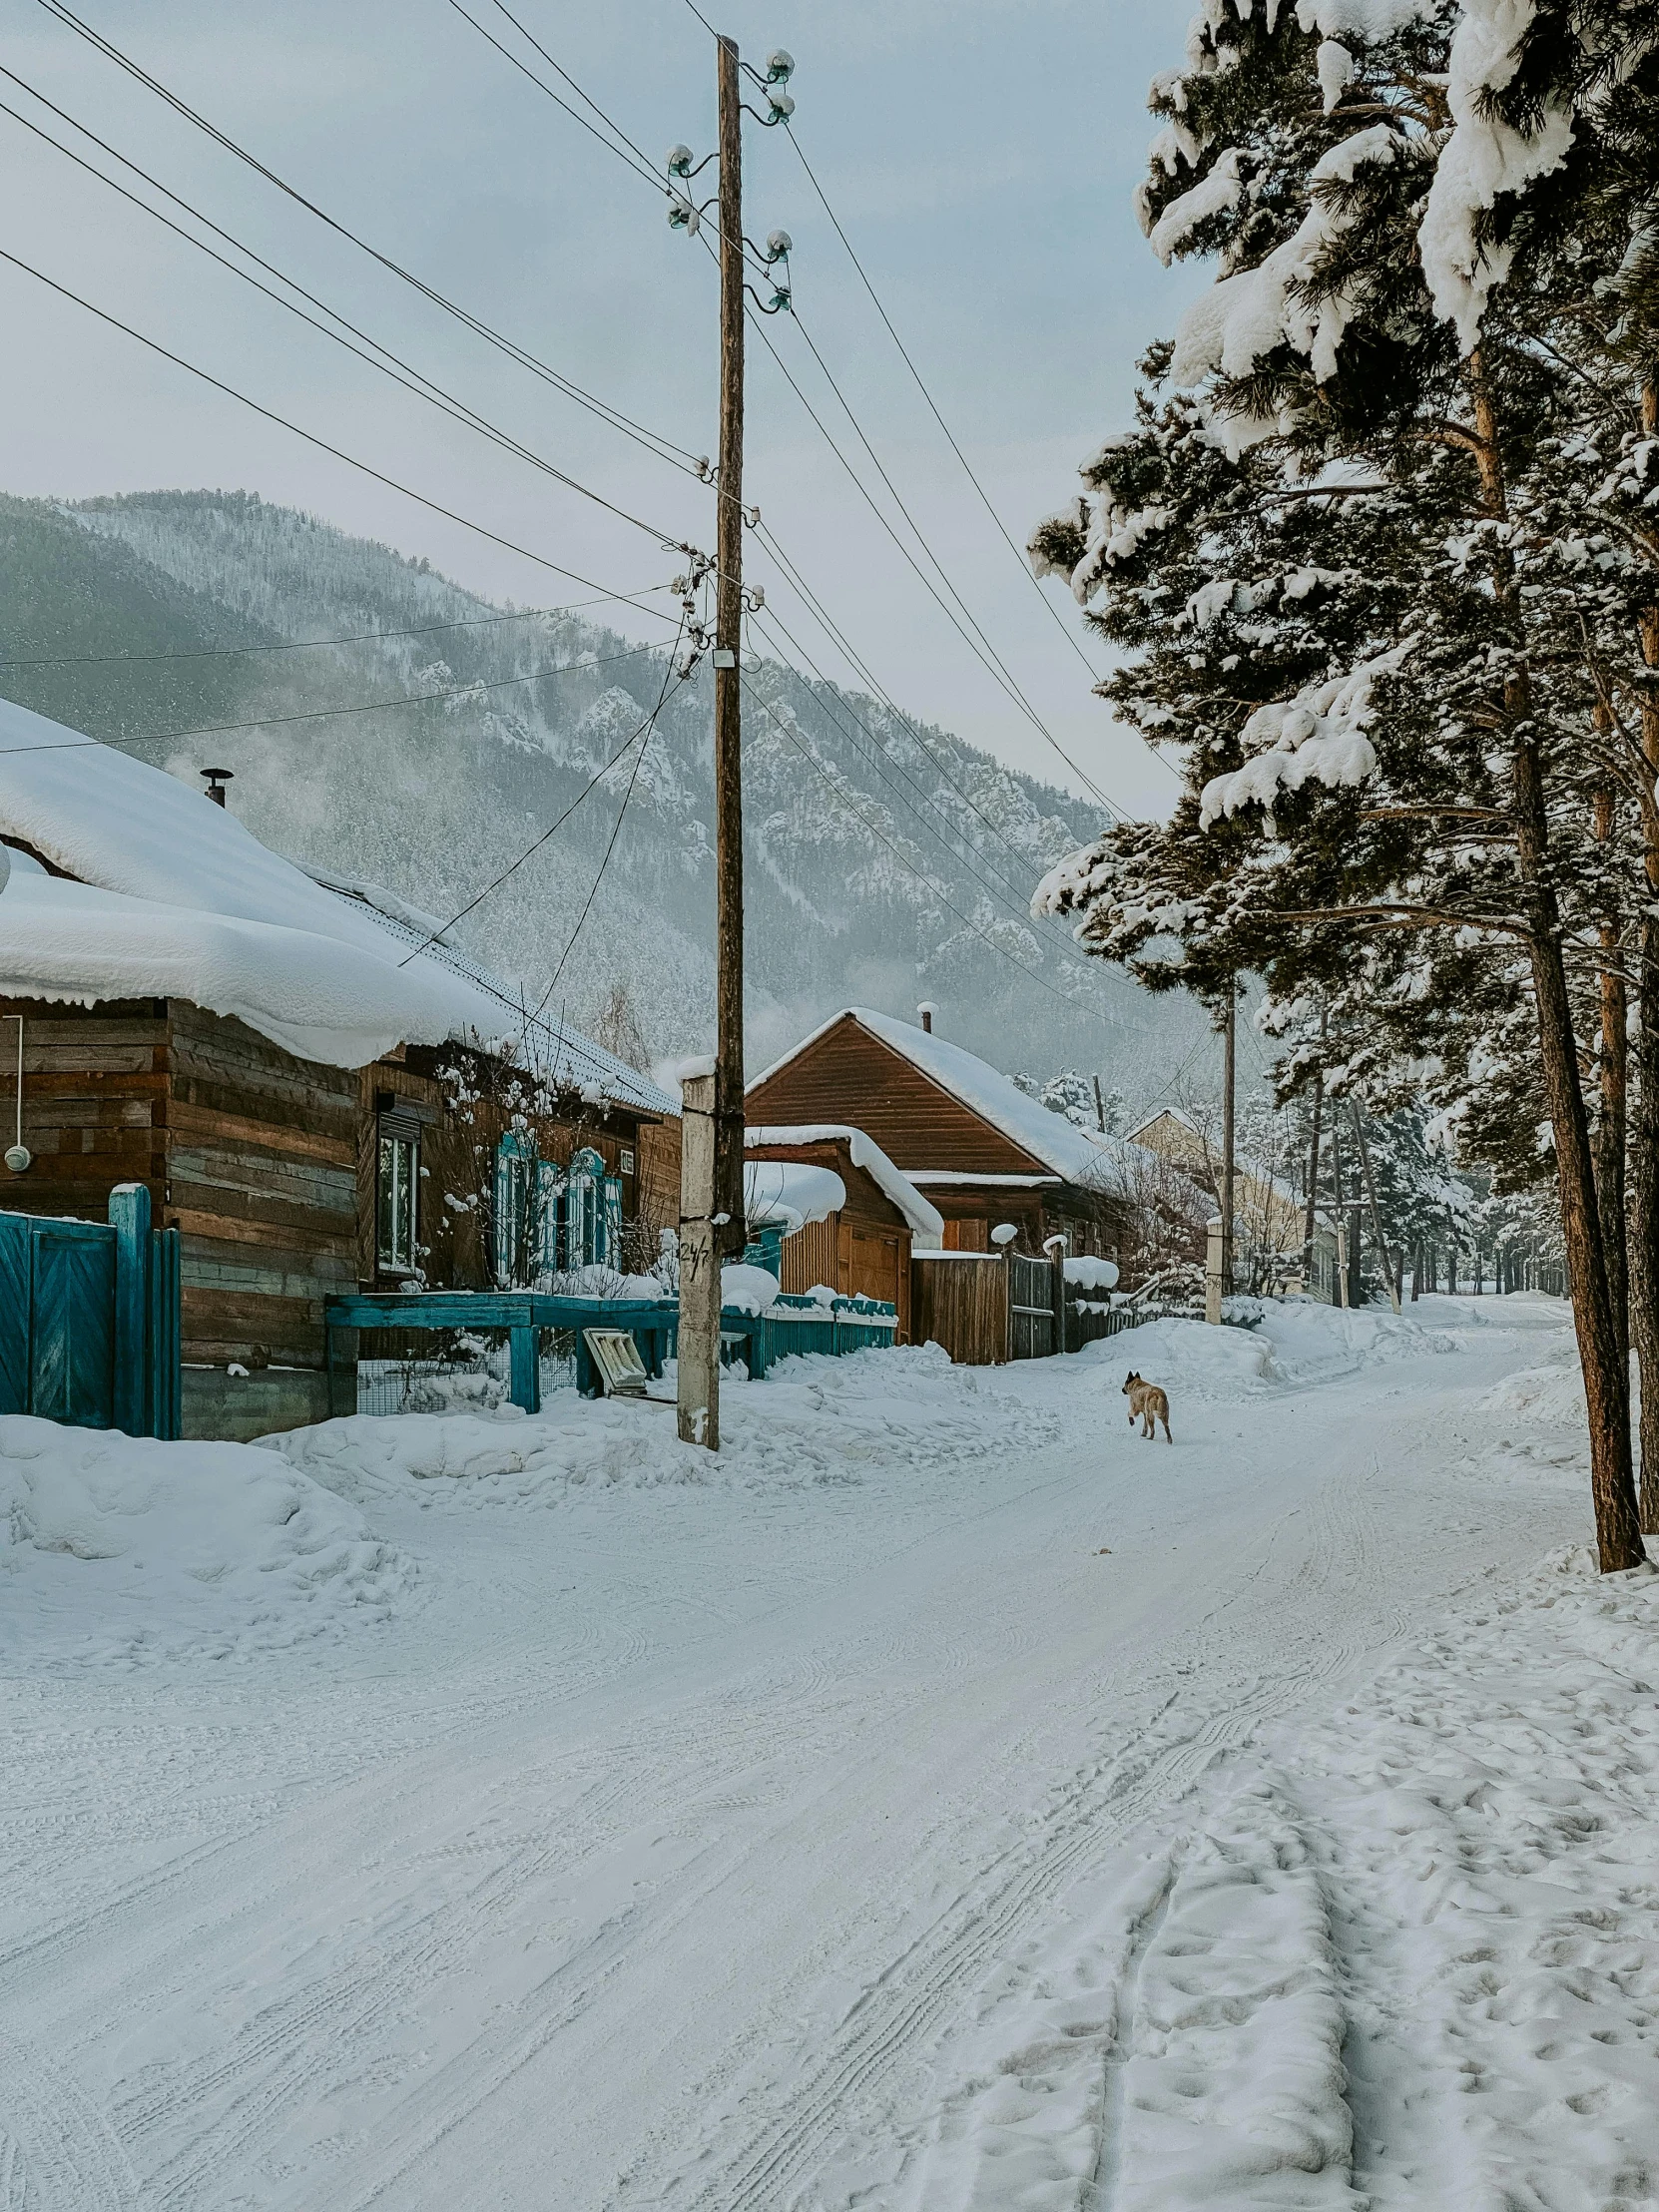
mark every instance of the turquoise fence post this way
{"type": "Point", "coordinates": [526, 1369]}
{"type": "Point", "coordinates": [129, 1218]}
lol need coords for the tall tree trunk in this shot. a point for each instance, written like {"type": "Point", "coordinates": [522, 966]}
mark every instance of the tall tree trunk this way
{"type": "Point", "coordinates": [1606, 1371]}
{"type": "Point", "coordinates": [1643, 1122]}
{"type": "Point", "coordinates": [1611, 1067]}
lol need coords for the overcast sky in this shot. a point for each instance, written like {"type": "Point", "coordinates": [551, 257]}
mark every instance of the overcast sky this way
{"type": "Point", "coordinates": [980, 155]}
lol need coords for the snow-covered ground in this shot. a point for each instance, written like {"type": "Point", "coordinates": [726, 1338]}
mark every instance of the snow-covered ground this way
{"type": "Point", "coordinates": [943, 1798]}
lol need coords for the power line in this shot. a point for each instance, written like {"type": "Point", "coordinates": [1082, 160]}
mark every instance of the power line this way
{"type": "Point", "coordinates": [412, 380]}
{"type": "Point", "coordinates": [838, 791]}
{"type": "Point", "coordinates": [864, 491]}
{"type": "Point", "coordinates": [905, 356]}
{"type": "Point", "coordinates": [371, 705]}
{"type": "Point", "coordinates": [616, 831]}
{"type": "Point", "coordinates": [432, 505]}
{"type": "Point", "coordinates": [535, 846]}
{"type": "Point", "coordinates": [816, 608]}
{"type": "Point", "coordinates": [307, 644]}
{"type": "Point", "coordinates": [1017, 904]}
{"type": "Point", "coordinates": [664, 448]}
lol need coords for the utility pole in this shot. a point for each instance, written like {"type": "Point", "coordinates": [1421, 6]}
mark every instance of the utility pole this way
{"type": "Point", "coordinates": [1375, 1210]}
{"type": "Point", "coordinates": [731, 1234]}
{"type": "Point", "coordinates": [1229, 1071]}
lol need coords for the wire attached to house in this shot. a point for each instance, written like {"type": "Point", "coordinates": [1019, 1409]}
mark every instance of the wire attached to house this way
{"type": "Point", "coordinates": [655, 441]}
{"type": "Point", "coordinates": [310, 437]}
{"type": "Point", "coordinates": [644, 733]}
{"type": "Point", "coordinates": [535, 846]}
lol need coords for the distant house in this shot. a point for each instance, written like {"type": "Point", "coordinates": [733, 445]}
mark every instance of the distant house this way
{"type": "Point", "coordinates": [1269, 1219]}
{"type": "Point", "coordinates": [319, 1095]}
{"type": "Point", "coordinates": [852, 1218]}
{"type": "Point", "coordinates": [976, 1146]}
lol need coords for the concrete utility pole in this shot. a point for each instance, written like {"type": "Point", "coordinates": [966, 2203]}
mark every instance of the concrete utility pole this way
{"type": "Point", "coordinates": [1229, 1074]}
{"type": "Point", "coordinates": [699, 1336]}
{"type": "Point", "coordinates": [731, 1234]}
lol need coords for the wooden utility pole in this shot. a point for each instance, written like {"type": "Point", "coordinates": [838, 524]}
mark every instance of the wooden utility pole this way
{"type": "Point", "coordinates": [731, 1234]}
{"type": "Point", "coordinates": [1375, 1211]}
{"type": "Point", "coordinates": [1229, 1071]}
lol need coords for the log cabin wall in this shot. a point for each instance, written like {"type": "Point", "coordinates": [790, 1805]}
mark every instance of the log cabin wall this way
{"type": "Point", "coordinates": [95, 1085]}
{"type": "Point", "coordinates": [262, 1164]}
{"type": "Point", "coordinates": [266, 1165]}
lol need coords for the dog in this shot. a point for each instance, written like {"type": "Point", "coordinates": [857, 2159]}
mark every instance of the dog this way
{"type": "Point", "coordinates": [1149, 1405]}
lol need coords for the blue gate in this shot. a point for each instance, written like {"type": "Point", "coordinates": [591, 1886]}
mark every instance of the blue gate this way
{"type": "Point", "coordinates": [90, 1319]}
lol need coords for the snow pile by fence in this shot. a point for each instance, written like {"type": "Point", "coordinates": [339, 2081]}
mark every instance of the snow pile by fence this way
{"type": "Point", "coordinates": [116, 1549]}
{"type": "Point", "coordinates": [814, 1420]}
{"type": "Point", "coordinates": [1275, 1344]}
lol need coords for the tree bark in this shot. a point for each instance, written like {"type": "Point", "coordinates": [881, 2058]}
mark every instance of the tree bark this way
{"type": "Point", "coordinates": [1605, 1368]}
{"type": "Point", "coordinates": [1611, 1069]}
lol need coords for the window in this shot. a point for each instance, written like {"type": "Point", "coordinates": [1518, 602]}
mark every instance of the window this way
{"type": "Point", "coordinates": [515, 1181]}
{"type": "Point", "coordinates": [396, 1183]}
{"type": "Point", "coordinates": [593, 1214]}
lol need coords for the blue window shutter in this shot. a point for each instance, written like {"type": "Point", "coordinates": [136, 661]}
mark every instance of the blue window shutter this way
{"type": "Point", "coordinates": [612, 1220]}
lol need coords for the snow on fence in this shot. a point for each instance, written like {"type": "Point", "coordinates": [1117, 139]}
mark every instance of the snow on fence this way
{"type": "Point", "coordinates": [984, 1308]}
{"type": "Point", "coordinates": [442, 1349]}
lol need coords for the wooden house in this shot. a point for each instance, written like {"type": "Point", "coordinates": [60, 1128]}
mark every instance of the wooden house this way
{"type": "Point", "coordinates": [317, 1094]}
{"type": "Point", "coordinates": [852, 1225]}
{"type": "Point", "coordinates": [1269, 1219]}
{"type": "Point", "coordinates": [976, 1146]}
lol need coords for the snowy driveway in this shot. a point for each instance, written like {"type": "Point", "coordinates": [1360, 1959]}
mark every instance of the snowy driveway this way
{"type": "Point", "coordinates": [669, 1842]}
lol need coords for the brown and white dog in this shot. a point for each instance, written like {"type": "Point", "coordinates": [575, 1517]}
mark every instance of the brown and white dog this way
{"type": "Point", "coordinates": [1149, 1405]}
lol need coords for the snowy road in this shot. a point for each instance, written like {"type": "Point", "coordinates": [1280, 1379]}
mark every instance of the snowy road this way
{"type": "Point", "coordinates": [667, 1845]}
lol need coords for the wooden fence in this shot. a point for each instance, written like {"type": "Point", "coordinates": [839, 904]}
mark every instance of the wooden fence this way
{"type": "Point", "coordinates": [985, 1308]}
{"type": "Point", "coordinates": [959, 1300]}
{"type": "Point", "coordinates": [89, 1318]}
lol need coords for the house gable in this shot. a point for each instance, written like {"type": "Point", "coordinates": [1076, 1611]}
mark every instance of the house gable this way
{"type": "Point", "coordinates": [846, 1075]}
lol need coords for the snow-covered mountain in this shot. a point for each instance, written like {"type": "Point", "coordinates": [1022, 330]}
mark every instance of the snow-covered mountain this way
{"type": "Point", "coordinates": [855, 822]}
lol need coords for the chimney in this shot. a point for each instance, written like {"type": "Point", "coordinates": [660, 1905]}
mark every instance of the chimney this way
{"type": "Point", "coordinates": [927, 1011]}
{"type": "Point", "coordinates": [216, 779]}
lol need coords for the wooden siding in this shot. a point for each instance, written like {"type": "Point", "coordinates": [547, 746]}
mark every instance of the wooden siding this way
{"type": "Point", "coordinates": [849, 1075]}
{"type": "Point", "coordinates": [94, 1104]}
{"type": "Point", "coordinates": [862, 1251]}
{"type": "Point", "coordinates": [961, 1305]}
{"type": "Point", "coordinates": [262, 1182]}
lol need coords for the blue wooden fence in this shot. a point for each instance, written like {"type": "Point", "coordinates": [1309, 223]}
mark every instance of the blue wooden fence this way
{"type": "Point", "coordinates": [89, 1318]}
{"type": "Point", "coordinates": [796, 1324]}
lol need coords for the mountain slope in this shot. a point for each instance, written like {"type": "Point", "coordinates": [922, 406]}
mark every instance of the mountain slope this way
{"type": "Point", "coordinates": [855, 824]}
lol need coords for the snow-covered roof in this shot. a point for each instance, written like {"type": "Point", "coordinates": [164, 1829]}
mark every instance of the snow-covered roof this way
{"type": "Point", "coordinates": [925, 1220]}
{"type": "Point", "coordinates": [172, 898]}
{"type": "Point", "coordinates": [791, 1192]}
{"type": "Point", "coordinates": [1076, 1155]}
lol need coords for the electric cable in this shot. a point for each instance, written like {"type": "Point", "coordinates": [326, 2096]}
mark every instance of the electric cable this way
{"type": "Point", "coordinates": [663, 448]}
{"type": "Point", "coordinates": [392, 364]}
{"type": "Point", "coordinates": [815, 606]}
{"type": "Point", "coordinates": [337, 452]}
{"type": "Point", "coordinates": [535, 846]}
{"type": "Point", "coordinates": [1017, 904]}
{"type": "Point", "coordinates": [932, 406]}
{"type": "Point", "coordinates": [309, 645]}
{"type": "Point", "coordinates": [864, 493]}
{"type": "Point", "coordinates": [616, 831]}
{"type": "Point", "coordinates": [1032, 974]}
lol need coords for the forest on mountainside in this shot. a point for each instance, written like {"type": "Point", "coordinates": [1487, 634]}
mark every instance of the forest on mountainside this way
{"type": "Point", "coordinates": [886, 862]}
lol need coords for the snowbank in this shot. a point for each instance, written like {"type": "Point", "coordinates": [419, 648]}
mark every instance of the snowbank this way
{"type": "Point", "coordinates": [1403, 1957]}
{"type": "Point", "coordinates": [815, 1421]}
{"type": "Point", "coordinates": [117, 1550]}
{"type": "Point", "coordinates": [1276, 1344]}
